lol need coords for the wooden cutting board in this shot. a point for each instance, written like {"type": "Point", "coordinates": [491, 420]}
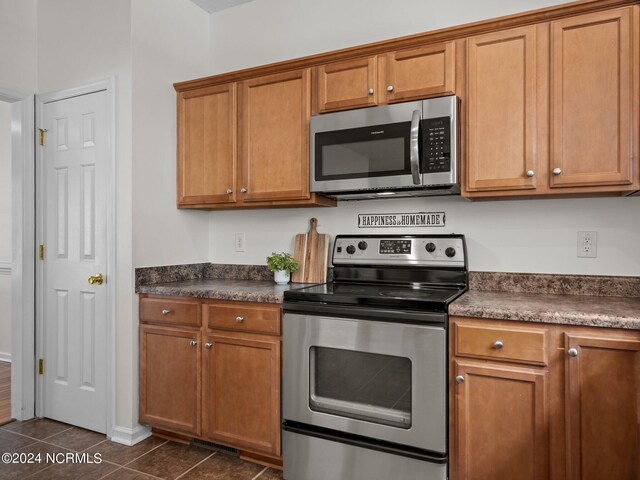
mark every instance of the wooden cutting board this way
{"type": "Point", "coordinates": [311, 250]}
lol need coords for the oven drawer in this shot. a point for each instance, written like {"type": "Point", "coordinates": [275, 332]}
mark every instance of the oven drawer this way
{"type": "Point", "coordinates": [170, 310]}
{"type": "Point", "coordinates": [243, 318]}
{"type": "Point", "coordinates": [520, 345]}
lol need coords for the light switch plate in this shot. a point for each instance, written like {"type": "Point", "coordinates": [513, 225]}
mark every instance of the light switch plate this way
{"type": "Point", "coordinates": [239, 242]}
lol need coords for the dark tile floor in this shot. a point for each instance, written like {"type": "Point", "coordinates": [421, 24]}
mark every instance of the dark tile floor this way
{"type": "Point", "coordinates": [73, 453]}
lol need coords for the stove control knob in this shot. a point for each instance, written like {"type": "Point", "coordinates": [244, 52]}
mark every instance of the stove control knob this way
{"type": "Point", "coordinates": [430, 247]}
{"type": "Point", "coordinates": [351, 249]}
{"type": "Point", "coordinates": [450, 252]}
{"type": "Point", "coordinates": [362, 245]}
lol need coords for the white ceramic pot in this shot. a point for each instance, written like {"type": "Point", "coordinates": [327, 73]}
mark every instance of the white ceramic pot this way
{"type": "Point", "coordinates": [281, 277]}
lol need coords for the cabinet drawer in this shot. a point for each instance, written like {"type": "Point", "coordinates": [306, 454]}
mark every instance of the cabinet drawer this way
{"type": "Point", "coordinates": [178, 312]}
{"type": "Point", "coordinates": [504, 344]}
{"type": "Point", "coordinates": [244, 318]}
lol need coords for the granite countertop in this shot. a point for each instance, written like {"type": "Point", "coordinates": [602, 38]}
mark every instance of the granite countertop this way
{"type": "Point", "coordinates": [263, 291]}
{"type": "Point", "coordinates": [586, 310]}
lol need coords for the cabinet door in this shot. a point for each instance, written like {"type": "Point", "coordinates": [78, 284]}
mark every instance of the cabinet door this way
{"type": "Point", "coordinates": [592, 101]}
{"type": "Point", "coordinates": [170, 378]}
{"type": "Point", "coordinates": [242, 392]}
{"type": "Point", "coordinates": [348, 84]}
{"type": "Point", "coordinates": [275, 137]}
{"type": "Point", "coordinates": [502, 129]}
{"type": "Point", "coordinates": [207, 122]}
{"type": "Point", "coordinates": [603, 406]}
{"type": "Point", "coordinates": [420, 72]}
{"type": "Point", "coordinates": [500, 425]}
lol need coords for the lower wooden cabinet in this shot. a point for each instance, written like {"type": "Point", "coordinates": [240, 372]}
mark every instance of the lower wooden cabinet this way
{"type": "Point", "coordinates": [170, 378]}
{"type": "Point", "coordinates": [215, 379]}
{"type": "Point", "coordinates": [241, 401]}
{"type": "Point", "coordinates": [573, 416]}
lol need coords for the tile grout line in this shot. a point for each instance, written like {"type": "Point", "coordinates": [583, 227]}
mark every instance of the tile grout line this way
{"type": "Point", "coordinates": [202, 461]}
{"type": "Point", "coordinates": [136, 471]}
{"type": "Point", "coordinates": [261, 472]}
{"type": "Point", "coordinates": [145, 453]}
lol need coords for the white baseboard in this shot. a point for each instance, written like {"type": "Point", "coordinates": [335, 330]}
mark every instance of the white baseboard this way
{"type": "Point", "coordinates": [5, 357]}
{"type": "Point", "coordinates": [128, 436]}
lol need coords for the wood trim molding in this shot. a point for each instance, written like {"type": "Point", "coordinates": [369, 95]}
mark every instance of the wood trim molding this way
{"type": "Point", "coordinates": [441, 35]}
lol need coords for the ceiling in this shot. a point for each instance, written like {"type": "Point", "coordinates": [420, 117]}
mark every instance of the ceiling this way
{"type": "Point", "coordinates": [217, 5]}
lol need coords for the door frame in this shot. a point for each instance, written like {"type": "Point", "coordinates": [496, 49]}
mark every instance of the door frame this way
{"type": "Point", "coordinates": [108, 86]}
{"type": "Point", "coordinates": [23, 259]}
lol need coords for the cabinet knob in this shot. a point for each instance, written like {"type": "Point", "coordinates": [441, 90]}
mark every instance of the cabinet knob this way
{"type": "Point", "coordinates": [166, 312]}
{"type": "Point", "coordinates": [530, 173]}
{"type": "Point", "coordinates": [243, 190]}
{"type": "Point", "coordinates": [370, 91]}
{"type": "Point", "coordinates": [557, 171]}
{"type": "Point", "coordinates": [498, 345]}
{"type": "Point", "coordinates": [239, 319]}
{"type": "Point", "coordinates": [208, 346]}
{"type": "Point", "coordinates": [193, 343]}
{"type": "Point", "coordinates": [389, 88]}
{"type": "Point", "coordinates": [229, 191]}
{"type": "Point", "coordinates": [573, 352]}
{"type": "Point", "coordinates": [460, 379]}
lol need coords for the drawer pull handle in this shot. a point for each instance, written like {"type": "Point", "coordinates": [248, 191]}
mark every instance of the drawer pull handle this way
{"type": "Point", "coordinates": [166, 312]}
{"type": "Point", "coordinates": [193, 343]}
{"type": "Point", "coordinates": [239, 319]}
{"type": "Point", "coordinates": [498, 345]}
{"type": "Point", "coordinates": [460, 379]}
{"type": "Point", "coordinates": [573, 352]}
{"type": "Point", "coordinates": [208, 346]}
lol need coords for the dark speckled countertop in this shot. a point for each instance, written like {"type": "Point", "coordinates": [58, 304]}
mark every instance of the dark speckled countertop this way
{"type": "Point", "coordinates": [223, 289]}
{"type": "Point", "coordinates": [611, 312]}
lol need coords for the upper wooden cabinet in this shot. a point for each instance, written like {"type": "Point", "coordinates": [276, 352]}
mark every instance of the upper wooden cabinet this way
{"type": "Point", "coordinates": [348, 84]}
{"type": "Point", "coordinates": [553, 108]}
{"type": "Point", "coordinates": [207, 124]}
{"type": "Point", "coordinates": [502, 89]}
{"type": "Point", "coordinates": [246, 145]}
{"type": "Point", "coordinates": [396, 76]}
{"type": "Point", "coordinates": [592, 90]}
{"type": "Point", "coordinates": [274, 129]}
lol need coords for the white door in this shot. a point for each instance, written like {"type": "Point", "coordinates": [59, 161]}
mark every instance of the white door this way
{"type": "Point", "coordinates": [74, 317]}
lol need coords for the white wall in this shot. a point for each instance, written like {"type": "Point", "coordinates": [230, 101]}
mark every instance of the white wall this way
{"type": "Point", "coordinates": [5, 230]}
{"type": "Point", "coordinates": [524, 235]}
{"type": "Point", "coordinates": [18, 49]}
{"type": "Point", "coordinates": [170, 42]}
{"type": "Point", "coordinates": [266, 31]}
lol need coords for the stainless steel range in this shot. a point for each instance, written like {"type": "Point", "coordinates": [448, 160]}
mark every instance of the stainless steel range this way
{"type": "Point", "coordinates": [365, 361]}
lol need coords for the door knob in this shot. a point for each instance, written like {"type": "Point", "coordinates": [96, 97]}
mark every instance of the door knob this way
{"type": "Point", "coordinates": [239, 319]}
{"type": "Point", "coordinates": [498, 344]}
{"type": "Point", "coordinates": [557, 171]}
{"type": "Point", "coordinates": [243, 190]}
{"type": "Point", "coordinates": [389, 88]}
{"type": "Point", "coordinates": [208, 346]}
{"type": "Point", "coordinates": [193, 343]}
{"type": "Point", "coordinates": [573, 352]}
{"type": "Point", "coordinates": [530, 173]}
{"type": "Point", "coordinates": [229, 191]}
{"type": "Point", "coordinates": [370, 91]}
{"type": "Point", "coordinates": [96, 279]}
{"type": "Point", "coordinates": [460, 379]}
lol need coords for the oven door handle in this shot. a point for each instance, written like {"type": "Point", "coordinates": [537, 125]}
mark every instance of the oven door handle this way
{"type": "Point", "coordinates": [414, 150]}
{"type": "Point", "coordinates": [373, 313]}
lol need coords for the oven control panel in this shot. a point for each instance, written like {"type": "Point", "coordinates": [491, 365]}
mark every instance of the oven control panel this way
{"type": "Point", "coordinates": [435, 250]}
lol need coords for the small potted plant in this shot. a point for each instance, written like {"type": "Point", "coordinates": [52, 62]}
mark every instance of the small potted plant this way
{"type": "Point", "coordinates": [282, 264]}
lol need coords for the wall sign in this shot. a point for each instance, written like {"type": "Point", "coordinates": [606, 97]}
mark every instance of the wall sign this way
{"type": "Point", "coordinates": [419, 219]}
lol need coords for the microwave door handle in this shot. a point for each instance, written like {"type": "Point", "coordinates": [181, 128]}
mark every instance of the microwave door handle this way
{"type": "Point", "coordinates": [414, 151]}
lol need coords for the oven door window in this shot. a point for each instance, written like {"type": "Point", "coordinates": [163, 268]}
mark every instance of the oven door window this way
{"type": "Point", "coordinates": [376, 151]}
{"type": "Point", "coordinates": [360, 385]}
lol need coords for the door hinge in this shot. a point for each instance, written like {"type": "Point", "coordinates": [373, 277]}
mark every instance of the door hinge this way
{"type": "Point", "coordinates": [41, 366]}
{"type": "Point", "coordinates": [41, 135]}
{"type": "Point", "coordinates": [41, 252]}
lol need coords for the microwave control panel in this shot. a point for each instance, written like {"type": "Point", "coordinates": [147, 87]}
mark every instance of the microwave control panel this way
{"type": "Point", "coordinates": [436, 144]}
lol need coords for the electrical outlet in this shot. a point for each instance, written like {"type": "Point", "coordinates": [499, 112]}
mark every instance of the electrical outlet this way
{"type": "Point", "coordinates": [587, 244]}
{"type": "Point", "coordinates": [239, 242]}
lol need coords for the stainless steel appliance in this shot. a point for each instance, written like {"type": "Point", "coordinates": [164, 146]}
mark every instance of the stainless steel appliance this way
{"type": "Point", "coordinates": [365, 361]}
{"type": "Point", "coordinates": [405, 149]}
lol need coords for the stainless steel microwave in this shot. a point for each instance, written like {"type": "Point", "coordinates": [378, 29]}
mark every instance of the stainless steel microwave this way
{"type": "Point", "coordinates": [406, 149]}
